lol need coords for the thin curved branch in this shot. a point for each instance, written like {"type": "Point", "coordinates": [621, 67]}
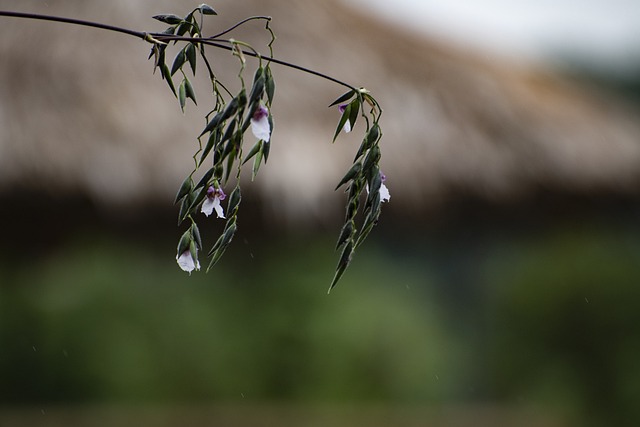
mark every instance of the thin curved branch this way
{"type": "Point", "coordinates": [217, 43]}
{"type": "Point", "coordinates": [138, 34]}
{"type": "Point", "coordinates": [244, 21]}
{"type": "Point", "coordinates": [154, 37]}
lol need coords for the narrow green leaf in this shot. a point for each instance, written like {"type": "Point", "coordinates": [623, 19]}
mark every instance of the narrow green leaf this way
{"type": "Point", "coordinates": [367, 142]}
{"type": "Point", "coordinates": [373, 134]}
{"type": "Point", "coordinates": [257, 90]}
{"type": "Point", "coordinates": [344, 262]}
{"type": "Point", "coordinates": [267, 145]}
{"type": "Point", "coordinates": [230, 161]}
{"type": "Point", "coordinates": [344, 98]}
{"type": "Point", "coordinates": [374, 180]}
{"type": "Point", "coordinates": [207, 10]}
{"type": "Point", "coordinates": [170, 19]}
{"type": "Point", "coordinates": [226, 238]}
{"type": "Point", "coordinates": [352, 173]}
{"type": "Point", "coordinates": [257, 161]}
{"type": "Point", "coordinates": [343, 121]}
{"type": "Point", "coordinates": [254, 150]}
{"type": "Point", "coordinates": [234, 200]}
{"type": "Point", "coordinates": [190, 93]}
{"type": "Point", "coordinates": [167, 76]}
{"type": "Point", "coordinates": [214, 137]}
{"type": "Point", "coordinates": [230, 131]}
{"type": "Point", "coordinates": [213, 123]}
{"type": "Point", "coordinates": [346, 233]}
{"type": "Point", "coordinates": [204, 181]}
{"type": "Point", "coordinates": [370, 221]}
{"type": "Point", "coordinates": [190, 52]}
{"type": "Point", "coordinates": [184, 242]}
{"type": "Point", "coordinates": [372, 158]}
{"type": "Point", "coordinates": [196, 200]}
{"type": "Point", "coordinates": [184, 208]}
{"type": "Point", "coordinates": [194, 251]}
{"type": "Point", "coordinates": [270, 85]}
{"type": "Point", "coordinates": [183, 28]}
{"type": "Point", "coordinates": [182, 95]}
{"type": "Point", "coordinates": [185, 188]}
{"type": "Point", "coordinates": [178, 62]}
{"type": "Point", "coordinates": [195, 232]}
{"type": "Point", "coordinates": [355, 112]}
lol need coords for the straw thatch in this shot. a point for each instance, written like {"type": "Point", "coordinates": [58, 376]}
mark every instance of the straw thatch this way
{"type": "Point", "coordinates": [80, 112]}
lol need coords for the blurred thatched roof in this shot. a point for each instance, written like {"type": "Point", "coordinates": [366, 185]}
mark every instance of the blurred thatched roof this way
{"type": "Point", "coordinates": [80, 112]}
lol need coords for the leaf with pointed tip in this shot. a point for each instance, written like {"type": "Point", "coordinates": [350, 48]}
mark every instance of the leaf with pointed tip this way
{"type": "Point", "coordinates": [234, 200]}
{"type": "Point", "coordinates": [185, 188]}
{"type": "Point", "coordinates": [213, 123]}
{"type": "Point", "coordinates": [189, 92]}
{"type": "Point", "coordinates": [178, 62]}
{"type": "Point", "coordinates": [344, 98]}
{"type": "Point", "coordinates": [228, 134]}
{"type": "Point", "coordinates": [183, 28]}
{"type": "Point", "coordinates": [345, 234]}
{"type": "Point", "coordinates": [270, 85]}
{"type": "Point", "coordinates": [190, 51]}
{"type": "Point", "coordinates": [352, 173]}
{"type": "Point", "coordinates": [197, 200]}
{"type": "Point", "coordinates": [184, 209]}
{"type": "Point", "coordinates": [204, 181]}
{"type": "Point", "coordinates": [226, 237]}
{"type": "Point", "coordinates": [182, 95]}
{"type": "Point", "coordinates": [195, 232]}
{"type": "Point", "coordinates": [254, 150]}
{"type": "Point", "coordinates": [267, 145]}
{"type": "Point", "coordinates": [207, 10]}
{"type": "Point", "coordinates": [344, 262]}
{"type": "Point", "coordinates": [355, 111]}
{"type": "Point", "coordinates": [230, 161]}
{"type": "Point", "coordinates": [257, 161]}
{"type": "Point", "coordinates": [170, 18]}
{"type": "Point", "coordinates": [343, 121]}
{"type": "Point", "coordinates": [184, 242]}
{"type": "Point", "coordinates": [372, 158]}
{"type": "Point", "coordinates": [211, 142]}
{"type": "Point", "coordinates": [167, 76]}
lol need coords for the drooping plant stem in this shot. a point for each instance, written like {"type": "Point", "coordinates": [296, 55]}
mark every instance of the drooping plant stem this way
{"type": "Point", "coordinates": [160, 37]}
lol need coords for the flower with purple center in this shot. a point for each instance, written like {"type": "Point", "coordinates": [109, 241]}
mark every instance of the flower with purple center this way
{"type": "Point", "coordinates": [260, 125]}
{"type": "Point", "coordinates": [187, 263]}
{"type": "Point", "coordinates": [347, 124]}
{"type": "Point", "coordinates": [212, 202]}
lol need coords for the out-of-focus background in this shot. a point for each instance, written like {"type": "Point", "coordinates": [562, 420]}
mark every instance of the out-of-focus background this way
{"type": "Point", "coordinates": [499, 288]}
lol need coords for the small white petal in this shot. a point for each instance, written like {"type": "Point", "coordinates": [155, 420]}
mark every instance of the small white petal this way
{"type": "Point", "coordinates": [384, 193]}
{"type": "Point", "coordinates": [186, 263]}
{"type": "Point", "coordinates": [210, 204]}
{"type": "Point", "coordinates": [218, 207]}
{"type": "Point", "coordinates": [207, 206]}
{"type": "Point", "coordinates": [261, 128]}
{"type": "Point", "coordinates": [347, 127]}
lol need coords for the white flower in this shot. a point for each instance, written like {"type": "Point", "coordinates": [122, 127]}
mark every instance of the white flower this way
{"type": "Point", "coordinates": [384, 193]}
{"type": "Point", "coordinates": [260, 124]}
{"type": "Point", "coordinates": [385, 196]}
{"type": "Point", "coordinates": [347, 125]}
{"type": "Point", "coordinates": [187, 263]}
{"type": "Point", "coordinates": [212, 202]}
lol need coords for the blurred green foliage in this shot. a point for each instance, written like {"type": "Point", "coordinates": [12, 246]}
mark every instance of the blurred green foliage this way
{"type": "Point", "coordinates": [99, 320]}
{"type": "Point", "coordinates": [545, 317]}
